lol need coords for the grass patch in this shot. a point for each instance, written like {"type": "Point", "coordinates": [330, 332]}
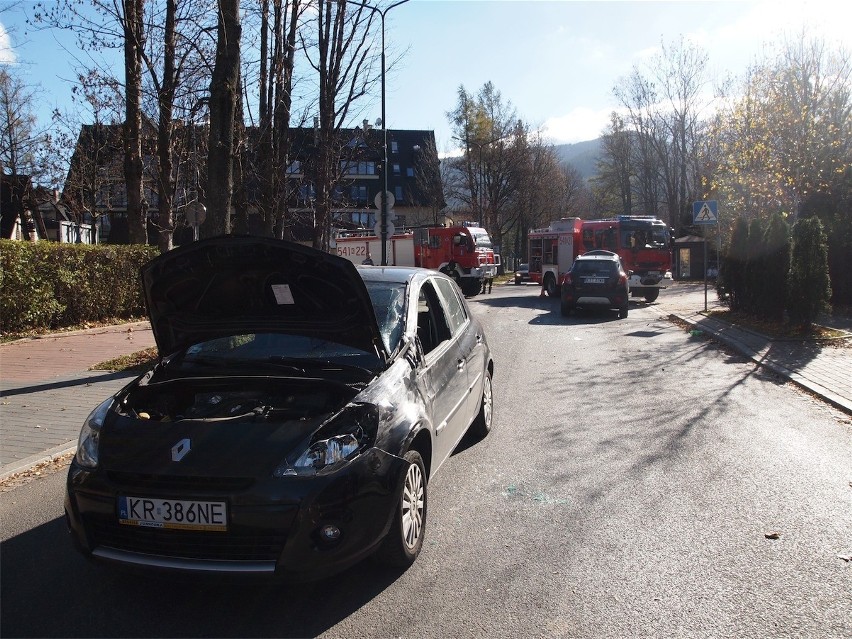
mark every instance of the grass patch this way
{"type": "Point", "coordinates": [776, 330]}
{"type": "Point", "coordinates": [135, 362]}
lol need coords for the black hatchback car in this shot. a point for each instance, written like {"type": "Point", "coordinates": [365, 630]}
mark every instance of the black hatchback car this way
{"type": "Point", "coordinates": [596, 279]}
{"type": "Point", "coordinates": [298, 410]}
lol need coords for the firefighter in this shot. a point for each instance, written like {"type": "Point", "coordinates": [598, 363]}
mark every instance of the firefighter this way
{"type": "Point", "coordinates": [487, 282]}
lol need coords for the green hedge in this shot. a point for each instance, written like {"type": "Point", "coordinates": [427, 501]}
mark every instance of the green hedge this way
{"type": "Point", "coordinates": [45, 285]}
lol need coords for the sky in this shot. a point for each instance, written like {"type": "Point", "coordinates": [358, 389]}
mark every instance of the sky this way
{"type": "Point", "coordinates": [557, 62]}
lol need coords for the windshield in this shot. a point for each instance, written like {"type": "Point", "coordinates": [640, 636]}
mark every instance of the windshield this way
{"type": "Point", "coordinates": [273, 349]}
{"type": "Point", "coordinates": [637, 235]}
{"type": "Point", "coordinates": [480, 238]}
{"type": "Point", "coordinates": [388, 299]}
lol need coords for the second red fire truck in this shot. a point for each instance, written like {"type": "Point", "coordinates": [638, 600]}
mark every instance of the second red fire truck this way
{"type": "Point", "coordinates": [642, 242]}
{"type": "Point", "coordinates": [464, 252]}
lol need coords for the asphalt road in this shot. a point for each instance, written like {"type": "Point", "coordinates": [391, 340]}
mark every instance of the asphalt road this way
{"type": "Point", "coordinates": [627, 490]}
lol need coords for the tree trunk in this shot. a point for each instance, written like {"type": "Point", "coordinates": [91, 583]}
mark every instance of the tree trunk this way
{"type": "Point", "coordinates": [136, 212]}
{"type": "Point", "coordinates": [165, 144]}
{"type": "Point", "coordinates": [223, 103]}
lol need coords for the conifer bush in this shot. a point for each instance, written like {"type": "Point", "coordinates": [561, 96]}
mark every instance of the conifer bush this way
{"type": "Point", "coordinates": [809, 287]}
{"type": "Point", "coordinates": [776, 268]}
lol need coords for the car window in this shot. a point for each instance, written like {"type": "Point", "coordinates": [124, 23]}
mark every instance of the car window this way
{"type": "Point", "coordinates": [432, 327]}
{"type": "Point", "coordinates": [594, 267]}
{"type": "Point", "coordinates": [456, 313]}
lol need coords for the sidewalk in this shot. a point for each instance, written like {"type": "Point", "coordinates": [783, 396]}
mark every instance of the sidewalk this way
{"type": "Point", "coordinates": [47, 391]}
{"type": "Point", "coordinates": [822, 367]}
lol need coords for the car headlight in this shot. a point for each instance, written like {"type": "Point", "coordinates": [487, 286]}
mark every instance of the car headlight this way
{"type": "Point", "coordinates": [339, 440]}
{"type": "Point", "coordinates": [87, 444]}
{"type": "Point", "coordinates": [327, 452]}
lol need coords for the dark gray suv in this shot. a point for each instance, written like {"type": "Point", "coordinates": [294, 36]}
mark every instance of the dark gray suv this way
{"type": "Point", "coordinates": [596, 278]}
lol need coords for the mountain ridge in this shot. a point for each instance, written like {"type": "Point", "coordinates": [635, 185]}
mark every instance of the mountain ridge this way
{"type": "Point", "coordinates": [583, 156]}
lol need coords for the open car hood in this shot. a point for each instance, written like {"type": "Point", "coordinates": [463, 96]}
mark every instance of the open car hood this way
{"type": "Point", "coordinates": [233, 285]}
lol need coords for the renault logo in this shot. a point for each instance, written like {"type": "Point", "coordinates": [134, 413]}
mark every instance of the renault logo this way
{"type": "Point", "coordinates": [180, 449]}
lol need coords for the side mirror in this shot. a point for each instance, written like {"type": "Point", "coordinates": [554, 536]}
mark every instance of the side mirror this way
{"type": "Point", "coordinates": [414, 352]}
{"type": "Point", "coordinates": [457, 239]}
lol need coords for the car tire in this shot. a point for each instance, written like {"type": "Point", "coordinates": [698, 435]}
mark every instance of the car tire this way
{"type": "Point", "coordinates": [405, 538]}
{"type": "Point", "coordinates": [550, 285]}
{"type": "Point", "coordinates": [622, 312]}
{"type": "Point", "coordinates": [481, 426]}
{"type": "Point", "coordinates": [651, 295]}
{"type": "Point", "coordinates": [470, 287]}
{"type": "Point", "coordinates": [566, 308]}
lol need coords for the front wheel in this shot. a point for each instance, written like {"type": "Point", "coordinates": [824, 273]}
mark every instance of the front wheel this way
{"type": "Point", "coordinates": [405, 538]}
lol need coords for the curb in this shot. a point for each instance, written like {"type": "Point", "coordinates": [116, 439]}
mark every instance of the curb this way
{"type": "Point", "coordinates": [29, 463]}
{"type": "Point", "coordinates": [95, 330]}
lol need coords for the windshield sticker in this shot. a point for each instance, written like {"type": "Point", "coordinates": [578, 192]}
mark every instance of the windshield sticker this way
{"type": "Point", "coordinates": [282, 294]}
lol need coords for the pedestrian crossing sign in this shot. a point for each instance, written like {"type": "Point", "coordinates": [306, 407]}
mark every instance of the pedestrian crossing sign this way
{"type": "Point", "coordinates": [705, 212]}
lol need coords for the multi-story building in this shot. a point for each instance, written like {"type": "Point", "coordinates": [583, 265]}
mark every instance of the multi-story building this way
{"type": "Point", "coordinates": [96, 180]}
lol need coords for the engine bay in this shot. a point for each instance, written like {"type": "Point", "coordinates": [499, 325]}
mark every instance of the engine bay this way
{"type": "Point", "coordinates": [262, 398]}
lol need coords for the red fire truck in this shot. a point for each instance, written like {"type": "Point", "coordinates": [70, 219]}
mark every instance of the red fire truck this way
{"type": "Point", "coordinates": [642, 242]}
{"type": "Point", "coordinates": [464, 252]}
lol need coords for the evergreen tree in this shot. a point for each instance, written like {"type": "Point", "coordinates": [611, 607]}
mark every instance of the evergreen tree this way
{"type": "Point", "coordinates": [776, 262]}
{"type": "Point", "coordinates": [732, 276]}
{"type": "Point", "coordinates": [754, 269]}
{"type": "Point", "coordinates": [809, 286]}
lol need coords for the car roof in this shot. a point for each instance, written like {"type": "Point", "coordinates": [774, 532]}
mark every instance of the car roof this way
{"type": "Point", "coordinates": [611, 257]}
{"type": "Point", "coordinates": [398, 274]}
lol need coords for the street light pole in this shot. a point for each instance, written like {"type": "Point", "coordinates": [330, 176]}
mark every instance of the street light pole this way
{"type": "Point", "coordinates": [383, 223]}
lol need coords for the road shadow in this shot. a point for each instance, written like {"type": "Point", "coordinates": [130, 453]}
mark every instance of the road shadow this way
{"type": "Point", "coordinates": [49, 590]}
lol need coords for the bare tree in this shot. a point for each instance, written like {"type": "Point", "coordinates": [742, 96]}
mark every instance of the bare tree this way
{"type": "Point", "coordinates": [277, 63]}
{"type": "Point", "coordinates": [20, 137]}
{"type": "Point", "coordinates": [342, 54]}
{"type": "Point", "coordinates": [539, 186]}
{"type": "Point", "coordinates": [87, 143]}
{"type": "Point", "coordinates": [489, 129]}
{"type": "Point", "coordinates": [427, 171]}
{"type": "Point", "coordinates": [664, 106]}
{"type": "Point", "coordinates": [578, 198]}
{"type": "Point", "coordinates": [174, 58]}
{"type": "Point", "coordinates": [615, 178]}
{"type": "Point", "coordinates": [113, 25]}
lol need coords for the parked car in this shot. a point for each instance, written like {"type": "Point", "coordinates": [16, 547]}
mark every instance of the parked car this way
{"type": "Point", "coordinates": [298, 411]}
{"type": "Point", "coordinates": [596, 279]}
{"type": "Point", "coordinates": [522, 274]}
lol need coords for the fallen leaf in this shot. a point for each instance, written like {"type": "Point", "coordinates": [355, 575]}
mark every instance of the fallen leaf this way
{"type": "Point", "coordinates": [772, 535]}
{"type": "Point", "coordinates": [845, 557]}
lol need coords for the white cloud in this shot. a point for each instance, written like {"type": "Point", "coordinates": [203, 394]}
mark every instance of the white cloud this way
{"type": "Point", "coordinates": [579, 125]}
{"type": "Point", "coordinates": [7, 53]}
